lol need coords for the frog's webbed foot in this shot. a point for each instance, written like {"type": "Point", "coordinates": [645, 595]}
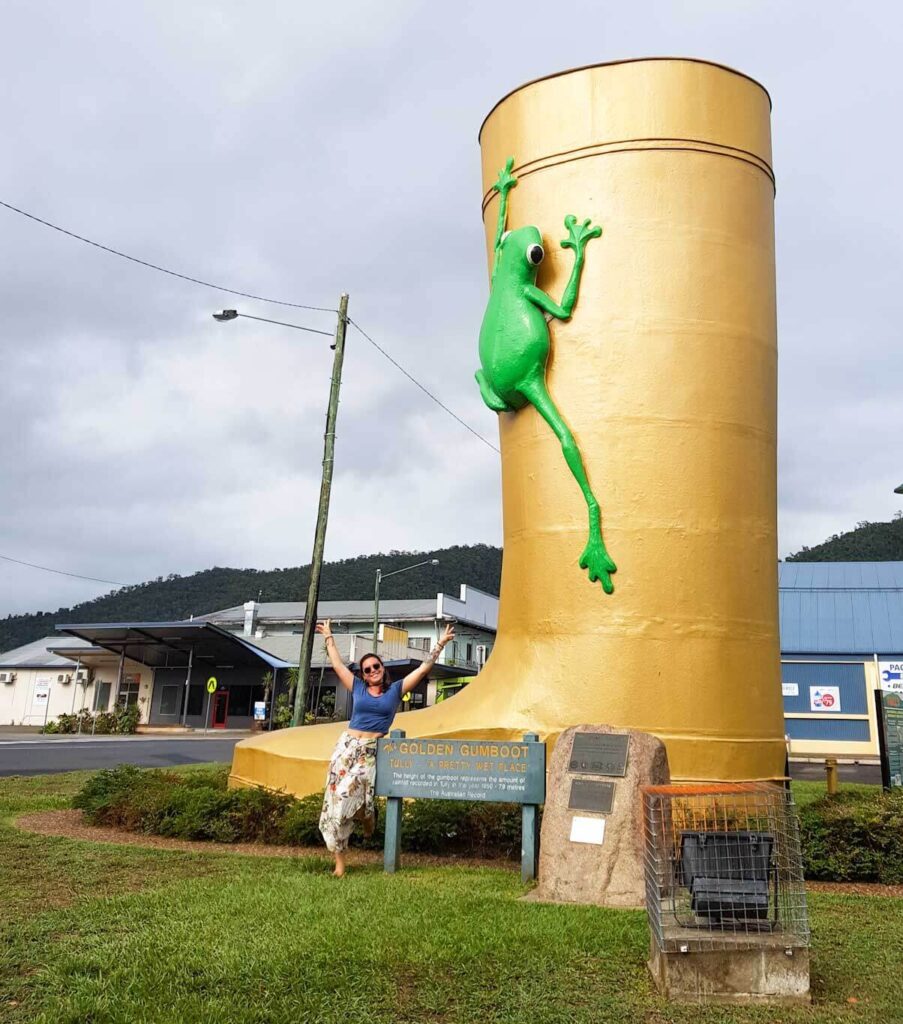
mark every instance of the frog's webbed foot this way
{"type": "Point", "coordinates": [579, 234]}
{"type": "Point", "coordinates": [506, 180]}
{"type": "Point", "coordinates": [489, 396]}
{"type": "Point", "coordinates": [597, 562]}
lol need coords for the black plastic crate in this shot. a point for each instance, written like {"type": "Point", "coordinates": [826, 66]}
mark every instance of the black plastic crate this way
{"type": "Point", "coordinates": [729, 898]}
{"type": "Point", "coordinates": [740, 856]}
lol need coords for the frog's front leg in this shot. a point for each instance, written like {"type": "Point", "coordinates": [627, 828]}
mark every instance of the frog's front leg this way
{"type": "Point", "coordinates": [595, 559]}
{"type": "Point", "coordinates": [578, 237]}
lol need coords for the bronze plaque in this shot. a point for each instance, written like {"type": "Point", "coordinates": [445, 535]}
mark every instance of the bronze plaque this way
{"type": "Point", "coordinates": [599, 753]}
{"type": "Point", "coordinates": [587, 795]}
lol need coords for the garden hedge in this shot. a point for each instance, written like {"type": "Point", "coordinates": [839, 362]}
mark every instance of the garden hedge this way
{"type": "Point", "coordinates": [198, 805]}
{"type": "Point", "coordinates": [854, 836]}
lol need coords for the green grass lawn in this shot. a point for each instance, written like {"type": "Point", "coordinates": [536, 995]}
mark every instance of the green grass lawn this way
{"type": "Point", "coordinates": [99, 933]}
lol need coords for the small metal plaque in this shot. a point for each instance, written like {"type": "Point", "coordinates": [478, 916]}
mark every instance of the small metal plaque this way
{"type": "Point", "coordinates": [587, 795]}
{"type": "Point", "coordinates": [599, 753]}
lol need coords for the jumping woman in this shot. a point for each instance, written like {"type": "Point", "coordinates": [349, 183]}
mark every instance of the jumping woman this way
{"type": "Point", "coordinates": [352, 767]}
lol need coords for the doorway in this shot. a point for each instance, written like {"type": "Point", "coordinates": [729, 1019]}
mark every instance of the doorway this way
{"type": "Point", "coordinates": [220, 709]}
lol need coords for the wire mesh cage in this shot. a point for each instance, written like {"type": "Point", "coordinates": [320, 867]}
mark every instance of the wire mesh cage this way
{"type": "Point", "coordinates": [723, 868]}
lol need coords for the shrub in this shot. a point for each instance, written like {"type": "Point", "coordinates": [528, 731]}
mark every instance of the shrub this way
{"type": "Point", "coordinates": [854, 836]}
{"type": "Point", "coordinates": [127, 719]}
{"type": "Point", "coordinates": [198, 805]}
{"type": "Point", "coordinates": [282, 717]}
{"type": "Point", "coordinates": [194, 806]}
{"type": "Point", "coordinates": [106, 787]}
{"type": "Point", "coordinates": [300, 825]}
{"type": "Point", "coordinates": [470, 828]}
{"type": "Point", "coordinates": [104, 722]}
{"type": "Point", "coordinates": [120, 720]}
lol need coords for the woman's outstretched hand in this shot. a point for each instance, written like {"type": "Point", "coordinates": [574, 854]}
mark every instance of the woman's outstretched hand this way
{"type": "Point", "coordinates": [324, 628]}
{"type": "Point", "coordinates": [447, 636]}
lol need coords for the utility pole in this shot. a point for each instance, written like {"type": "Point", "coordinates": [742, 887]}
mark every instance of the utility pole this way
{"type": "Point", "coordinates": [316, 562]}
{"type": "Point", "coordinates": [379, 576]}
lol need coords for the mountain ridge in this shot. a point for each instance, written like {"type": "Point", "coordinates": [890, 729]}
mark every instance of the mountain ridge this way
{"type": "Point", "coordinates": [176, 597]}
{"type": "Point", "coordinates": [352, 579]}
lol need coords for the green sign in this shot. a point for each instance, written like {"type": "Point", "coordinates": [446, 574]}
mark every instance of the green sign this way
{"type": "Point", "coordinates": [211, 684]}
{"type": "Point", "coordinates": [438, 769]}
{"type": "Point", "coordinates": [506, 771]}
{"type": "Point", "coordinates": [891, 708]}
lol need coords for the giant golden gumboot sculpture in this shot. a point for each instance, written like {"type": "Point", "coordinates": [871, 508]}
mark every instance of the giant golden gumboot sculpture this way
{"type": "Point", "coordinates": [666, 375]}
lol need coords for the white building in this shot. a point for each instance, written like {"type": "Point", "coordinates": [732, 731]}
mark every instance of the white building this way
{"type": "Point", "coordinates": [213, 668]}
{"type": "Point", "coordinates": [62, 675]}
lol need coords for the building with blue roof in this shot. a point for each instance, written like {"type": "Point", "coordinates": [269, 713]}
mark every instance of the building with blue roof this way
{"type": "Point", "coordinates": [841, 640]}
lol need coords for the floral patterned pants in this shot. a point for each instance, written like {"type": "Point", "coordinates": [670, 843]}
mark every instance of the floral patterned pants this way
{"type": "Point", "coordinates": [349, 790]}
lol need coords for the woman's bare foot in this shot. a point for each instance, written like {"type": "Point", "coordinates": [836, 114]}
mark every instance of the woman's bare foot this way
{"type": "Point", "coordinates": [339, 865]}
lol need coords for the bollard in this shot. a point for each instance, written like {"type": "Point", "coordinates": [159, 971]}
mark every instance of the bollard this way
{"type": "Point", "coordinates": [831, 775]}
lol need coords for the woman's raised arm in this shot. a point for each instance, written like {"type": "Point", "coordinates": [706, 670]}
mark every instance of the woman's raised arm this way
{"type": "Point", "coordinates": [423, 669]}
{"type": "Point", "coordinates": [346, 676]}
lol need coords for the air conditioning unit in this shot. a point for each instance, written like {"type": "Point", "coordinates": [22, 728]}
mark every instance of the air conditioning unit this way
{"type": "Point", "coordinates": [481, 654]}
{"type": "Point", "coordinates": [84, 676]}
{"type": "Point", "coordinates": [65, 678]}
{"type": "Point", "coordinates": [7, 677]}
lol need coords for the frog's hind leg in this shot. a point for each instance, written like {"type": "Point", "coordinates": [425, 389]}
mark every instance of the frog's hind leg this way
{"type": "Point", "coordinates": [489, 396]}
{"type": "Point", "coordinates": [595, 559]}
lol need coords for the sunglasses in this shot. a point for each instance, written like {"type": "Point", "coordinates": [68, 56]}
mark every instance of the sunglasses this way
{"type": "Point", "coordinates": [372, 668]}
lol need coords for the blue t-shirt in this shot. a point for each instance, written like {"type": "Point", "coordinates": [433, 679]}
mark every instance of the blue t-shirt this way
{"type": "Point", "coordinates": [374, 714]}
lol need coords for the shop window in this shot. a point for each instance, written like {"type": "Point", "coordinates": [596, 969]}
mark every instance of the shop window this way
{"type": "Point", "coordinates": [240, 699]}
{"type": "Point", "coordinates": [103, 696]}
{"type": "Point", "coordinates": [128, 691]}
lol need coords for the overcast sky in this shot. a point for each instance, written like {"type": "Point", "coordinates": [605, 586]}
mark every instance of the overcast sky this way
{"type": "Point", "coordinates": [298, 150]}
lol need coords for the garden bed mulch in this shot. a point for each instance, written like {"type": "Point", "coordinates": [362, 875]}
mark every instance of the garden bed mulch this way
{"type": "Point", "coordinates": [72, 825]}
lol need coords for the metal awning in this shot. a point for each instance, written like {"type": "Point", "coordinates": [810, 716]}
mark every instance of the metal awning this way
{"type": "Point", "coordinates": [169, 644]}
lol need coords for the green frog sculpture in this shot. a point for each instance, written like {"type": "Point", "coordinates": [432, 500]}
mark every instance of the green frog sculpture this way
{"type": "Point", "coordinates": [514, 346]}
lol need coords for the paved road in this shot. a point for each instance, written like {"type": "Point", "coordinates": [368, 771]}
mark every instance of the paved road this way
{"type": "Point", "coordinates": [35, 755]}
{"type": "Point", "coordinates": [38, 756]}
{"type": "Point", "coordinates": [815, 772]}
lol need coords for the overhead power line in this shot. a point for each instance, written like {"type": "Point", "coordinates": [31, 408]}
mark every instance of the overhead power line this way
{"type": "Point", "coordinates": [246, 295]}
{"type": "Point", "coordinates": [162, 270]}
{"type": "Point", "coordinates": [62, 572]}
{"type": "Point", "coordinates": [426, 391]}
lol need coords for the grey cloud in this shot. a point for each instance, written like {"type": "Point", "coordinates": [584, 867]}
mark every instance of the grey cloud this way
{"type": "Point", "coordinates": [297, 152]}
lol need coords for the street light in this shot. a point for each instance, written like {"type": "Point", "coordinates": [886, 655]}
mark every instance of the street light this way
{"type": "Point", "coordinates": [316, 561]}
{"type": "Point", "coordinates": [380, 576]}
{"type": "Point", "coordinates": [233, 314]}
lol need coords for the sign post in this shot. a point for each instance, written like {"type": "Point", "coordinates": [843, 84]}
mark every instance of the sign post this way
{"type": "Point", "coordinates": [440, 769]}
{"type": "Point", "coordinates": [889, 709]}
{"type": "Point", "coordinates": [211, 689]}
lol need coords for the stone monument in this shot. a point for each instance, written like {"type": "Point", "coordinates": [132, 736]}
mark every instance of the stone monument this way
{"type": "Point", "coordinates": [591, 847]}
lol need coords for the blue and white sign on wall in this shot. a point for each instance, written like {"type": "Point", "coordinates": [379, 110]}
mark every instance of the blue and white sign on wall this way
{"type": "Point", "coordinates": [824, 698]}
{"type": "Point", "coordinates": [890, 676]}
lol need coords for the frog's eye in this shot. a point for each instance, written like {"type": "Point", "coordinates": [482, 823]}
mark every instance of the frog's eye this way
{"type": "Point", "coordinates": [535, 254]}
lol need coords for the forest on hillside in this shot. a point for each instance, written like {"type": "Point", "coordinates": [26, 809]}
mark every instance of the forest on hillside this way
{"type": "Point", "coordinates": [868, 542]}
{"type": "Point", "coordinates": [178, 597]}
{"type": "Point", "coordinates": [480, 565]}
